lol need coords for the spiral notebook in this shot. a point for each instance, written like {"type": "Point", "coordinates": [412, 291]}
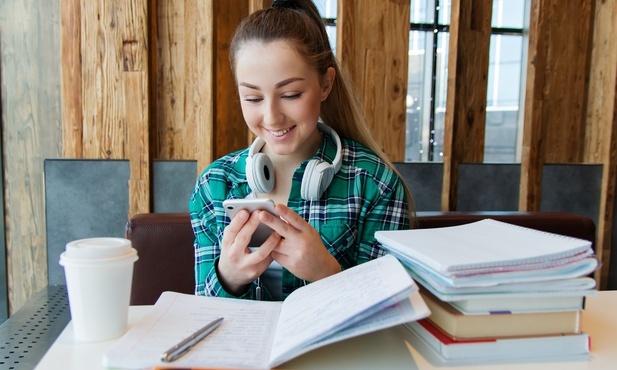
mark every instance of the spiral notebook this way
{"type": "Point", "coordinates": [481, 246]}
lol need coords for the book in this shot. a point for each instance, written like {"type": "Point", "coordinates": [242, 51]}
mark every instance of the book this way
{"type": "Point", "coordinates": [258, 334]}
{"type": "Point", "coordinates": [519, 305]}
{"type": "Point", "coordinates": [450, 349]}
{"type": "Point", "coordinates": [486, 246]}
{"type": "Point", "coordinates": [499, 325]}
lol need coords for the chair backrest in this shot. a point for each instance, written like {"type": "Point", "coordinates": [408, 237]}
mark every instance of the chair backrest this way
{"type": "Point", "coordinates": [164, 243]}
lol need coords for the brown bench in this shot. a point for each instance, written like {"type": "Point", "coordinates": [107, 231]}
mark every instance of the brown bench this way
{"type": "Point", "coordinates": [164, 243]}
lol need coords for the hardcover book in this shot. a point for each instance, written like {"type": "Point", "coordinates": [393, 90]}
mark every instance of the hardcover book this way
{"type": "Point", "coordinates": [500, 324]}
{"type": "Point", "coordinates": [449, 348]}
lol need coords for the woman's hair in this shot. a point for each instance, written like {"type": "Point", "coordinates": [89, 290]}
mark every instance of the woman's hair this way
{"type": "Point", "coordinates": [299, 22]}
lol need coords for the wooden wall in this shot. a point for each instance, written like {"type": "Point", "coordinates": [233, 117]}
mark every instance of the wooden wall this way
{"type": "Point", "coordinates": [31, 132]}
{"type": "Point", "coordinates": [146, 79]}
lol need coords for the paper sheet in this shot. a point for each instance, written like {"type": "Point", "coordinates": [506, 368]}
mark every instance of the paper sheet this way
{"type": "Point", "coordinates": [177, 316]}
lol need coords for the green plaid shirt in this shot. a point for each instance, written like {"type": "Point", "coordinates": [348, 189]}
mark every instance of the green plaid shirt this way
{"type": "Point", "coordinates": [365, 196]}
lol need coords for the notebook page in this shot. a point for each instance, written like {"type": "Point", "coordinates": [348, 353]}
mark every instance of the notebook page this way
{"type": "Point", "coordinates": [343, 299]}
{"type": "Point", "coordinates": [242, 341]}
{"type": "Point", "coordinates": [411, 309]}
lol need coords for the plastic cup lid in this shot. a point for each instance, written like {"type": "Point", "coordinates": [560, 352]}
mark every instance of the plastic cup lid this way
{"type": "Point", "coordinates": [97, 248]}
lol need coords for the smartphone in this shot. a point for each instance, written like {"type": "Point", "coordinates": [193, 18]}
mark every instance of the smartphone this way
{"type": "Point", "coordinates": [263, 231]}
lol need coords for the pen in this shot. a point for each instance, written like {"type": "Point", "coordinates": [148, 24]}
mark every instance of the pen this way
{"type": "Point", "coordinates": [183, 347]}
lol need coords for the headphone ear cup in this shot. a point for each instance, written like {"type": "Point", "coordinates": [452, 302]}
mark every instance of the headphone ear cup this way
{"type": "Point", "coordinates": [260, 173]}
{"type": "Point", "coordinates": [317, 177]}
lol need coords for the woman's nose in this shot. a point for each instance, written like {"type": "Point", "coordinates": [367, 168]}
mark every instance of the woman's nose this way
{"type": "Point", "coordinates": [272, 113]}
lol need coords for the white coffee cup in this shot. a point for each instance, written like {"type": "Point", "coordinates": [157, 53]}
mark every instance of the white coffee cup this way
{"type": "Point", "coordinates": [99, 273]}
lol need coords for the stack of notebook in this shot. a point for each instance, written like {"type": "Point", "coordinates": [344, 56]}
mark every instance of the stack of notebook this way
{"type": "Point", "coordinates": [496, 290]}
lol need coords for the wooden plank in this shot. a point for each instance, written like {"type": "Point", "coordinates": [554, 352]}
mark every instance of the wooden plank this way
{"type": "Point", "coordinates": [348, 42]}
{"type": "Point", "coordinates": [153, 86]}
{"type": "Point", "coordinates": [230, 129]}
{"type": "Point", "coordinates": [379, 29]}
{"type": "Point", "coordinates": [137, 119]}
{"type": "Point", "coordinates": [395, 89]}
{"type": "Point", "coordinates": [534, 127]}
{"type": "Point", "coordinates": [104, 133]}
{"type": "Point", "coordinates": [136, 103]}
{"type": "Point", "coordinates": [374, 80]}
{"type": "Point", "coordinates": [114, 47]}
{"type": "Point", "coordinates": [566, 78]}
{"type": "Point", "coordinates": [134, 38]}
{"type": "Point", "coordinates": [183, 81]}
{"type": "Point", "coordinates": [255, 5]}
{"type": "Point", "coordinates": [556, 91]}
{"type": "Point", "coordinates": [470, 31]}
{"type": "Point", "coordinates": [72, 118]}
{"type": "Point", "coordinates": [172, 132]}
{"type": "Point", "coordinates": [601, 124]}
{"type": "Point", "coordinates": [199, 77]}
{"type": "Point", "coordinates": [31, 131]}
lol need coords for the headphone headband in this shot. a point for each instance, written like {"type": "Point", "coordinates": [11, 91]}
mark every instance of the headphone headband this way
{"type": "Point", "coordinates": [336, 162]}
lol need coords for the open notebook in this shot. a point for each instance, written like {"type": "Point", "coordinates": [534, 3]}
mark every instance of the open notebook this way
{"type": "Point", "coordinates": [258, 334]}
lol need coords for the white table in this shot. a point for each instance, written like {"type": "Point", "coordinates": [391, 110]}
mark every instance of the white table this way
{"type": "Point", "coordinates": [394, 348]}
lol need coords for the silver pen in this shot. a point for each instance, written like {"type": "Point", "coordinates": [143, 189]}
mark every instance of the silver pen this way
{"type": "Point", "coordinates": [183, 347]}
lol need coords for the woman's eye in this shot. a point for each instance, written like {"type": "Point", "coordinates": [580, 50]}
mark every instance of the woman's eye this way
{"type": "Point", "coordinates": [292, 97]}
{"type": "Point", "coordinates": [252, 100]}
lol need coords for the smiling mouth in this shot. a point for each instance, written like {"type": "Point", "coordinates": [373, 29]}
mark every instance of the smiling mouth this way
{"type": "Point", "coordinates": [280, 132]}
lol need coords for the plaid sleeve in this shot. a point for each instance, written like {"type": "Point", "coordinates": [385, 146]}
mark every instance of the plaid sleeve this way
{"type": "Point", "coordinates": [389, 212]}
{"type": "Point", "coordinates": [206, 242]}
{"type": "Point", "coordinates": [208, 228]}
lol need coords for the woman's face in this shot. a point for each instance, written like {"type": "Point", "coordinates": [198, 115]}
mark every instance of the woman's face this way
{"type": "Point", "coordinates": [280, 95]}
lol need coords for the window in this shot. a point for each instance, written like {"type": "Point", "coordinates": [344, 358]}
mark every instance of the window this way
{"type": "Point", "coordinates": [427, 79]}
{"type": "Point", "coordinates": [428, 73]}
{"type": "Point", "coordinates": [327, 10]}
{"type": "Point", "coordinates": [505, 76]}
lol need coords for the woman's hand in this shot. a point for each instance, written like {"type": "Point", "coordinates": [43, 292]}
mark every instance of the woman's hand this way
{"type": "Point", "coordinates": [238, 266]}
{"type": "Point", "coordinates": [300, 249]}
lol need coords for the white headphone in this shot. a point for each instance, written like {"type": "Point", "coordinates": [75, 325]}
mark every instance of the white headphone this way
{"type": "Point", "coordinates": [317, 176]}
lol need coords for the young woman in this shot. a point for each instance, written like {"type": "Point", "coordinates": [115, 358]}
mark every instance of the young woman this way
{"type": "Point", "coordinates": [314, 156]}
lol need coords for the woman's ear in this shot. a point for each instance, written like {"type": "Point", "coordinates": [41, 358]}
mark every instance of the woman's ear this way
{"type": "Point", "coordinates": [327, 83]}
